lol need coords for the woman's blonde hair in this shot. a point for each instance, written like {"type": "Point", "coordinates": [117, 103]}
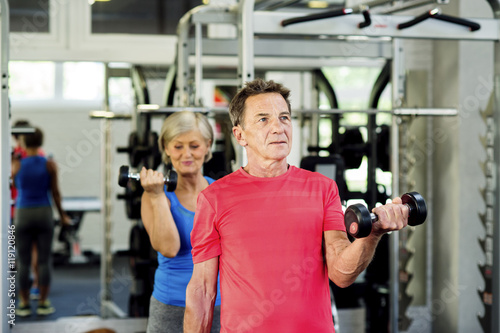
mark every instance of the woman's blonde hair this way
{"type": "Point", "coordinates": [182, 122]}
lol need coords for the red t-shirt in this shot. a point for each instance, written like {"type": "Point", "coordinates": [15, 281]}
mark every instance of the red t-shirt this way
{"type": "Point", "coordinates": [268, 233]}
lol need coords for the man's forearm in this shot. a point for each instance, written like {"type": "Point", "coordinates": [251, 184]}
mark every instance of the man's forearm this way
{"type": "Point", "coordinates": [351, 260]}
{"type": "Point", "coordinates": [199, 311]}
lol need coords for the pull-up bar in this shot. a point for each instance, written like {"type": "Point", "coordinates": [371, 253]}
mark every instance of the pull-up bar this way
{"type": "Point", "coordinates": [318, 16]}
{"type": "Point", "coordinates": [434, 13]}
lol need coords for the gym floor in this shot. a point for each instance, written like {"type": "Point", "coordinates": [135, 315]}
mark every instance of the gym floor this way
{"type": "Point", "coordinates": [75, 294]}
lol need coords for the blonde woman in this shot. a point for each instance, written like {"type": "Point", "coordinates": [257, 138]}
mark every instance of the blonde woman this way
{"type": "Point", "coordinates": [185, 142]}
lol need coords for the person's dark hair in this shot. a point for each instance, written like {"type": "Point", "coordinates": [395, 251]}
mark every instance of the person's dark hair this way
{"type": "Point", "coordinates": [33, 140]}
{"type": "Point", "coordinates": [252, 88]}
{"type": "Point", "coordinates": [20, 123]}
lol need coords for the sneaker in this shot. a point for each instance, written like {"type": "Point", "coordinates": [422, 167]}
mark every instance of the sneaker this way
{"type": "Point", "coordinates": [23, 310]}
{"type": "Point", "coordinates": [45, 308]}
{"type": "Point", "coordinates": [35, 293]}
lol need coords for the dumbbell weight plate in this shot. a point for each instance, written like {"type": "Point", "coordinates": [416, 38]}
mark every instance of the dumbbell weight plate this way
{"type": "Point", "coordinates": [134, 156]}
{"type": "Point", "coordinates": [418, 208]}
{"type": "Point", "coordinates": [172, 180]}
{"type": "Point", "coordinates": [133, 193]}
{"type": "Point", "coordinates": [153, 159]}
{"type": "Point", "coordinates": [123, 176]}
{"type": "Point", "coordinates": [355, 213]}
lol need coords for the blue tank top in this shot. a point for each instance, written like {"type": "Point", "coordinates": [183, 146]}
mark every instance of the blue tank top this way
{"type": "Point", "coordinates": [33, 183]}
{"type": "Point", "coordinates": [173, 274]}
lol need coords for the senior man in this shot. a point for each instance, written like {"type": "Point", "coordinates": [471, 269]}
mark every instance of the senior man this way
{"type": "Point", "coordinates": [274, 232]}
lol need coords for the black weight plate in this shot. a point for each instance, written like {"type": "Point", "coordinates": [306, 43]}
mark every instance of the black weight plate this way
{"type": "Point", "coordinates": [123, 176]}
{"type": "Point", "coordinates": [358, 221]}
{"type": "Point", "coordinates": [418, 208]}
{"type": "Point", "coordinates": [172, 181]}
{"type": "Point", "coordinates": [134, 154]}
{"type": "Point", "coordinates": [153, 158]}
{"type": "Point", "coordinates": [133, 194]}
{"type": "Point", "coordinates": [353, 148]}
{"type": "Point", "coordinates": [383, 148]}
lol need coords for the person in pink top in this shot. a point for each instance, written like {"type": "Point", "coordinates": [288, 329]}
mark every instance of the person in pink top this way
{"type": "Point", "coordinates": [274, 232]}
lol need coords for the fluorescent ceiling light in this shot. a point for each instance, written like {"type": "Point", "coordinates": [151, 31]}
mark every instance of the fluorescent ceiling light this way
{"type": "Point", "coordinates": [91, 2]}
{"type": "Point", "coordinates": [317, 4]}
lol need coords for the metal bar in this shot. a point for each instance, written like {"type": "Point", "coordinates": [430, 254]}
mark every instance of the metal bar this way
{"type": "Point", "coordinates": [309, 48]}
{"type": "Point", "coordinates": [5, 171]}
{"type": "Point", "coordinates": [394, 238]}
{"type": "Point", "coordinates": [106, 225]}
{"type": "Point", "coordinates": [406, 6]}
{"type": "Point", "coordinates": [429, 223]}
{"type": "Point", "coordinates": [198, 72]}
{"type": "Point", "coordinates": [246, 38]}
{"type": "Point", "coordinates": [109, 115]}
{"type": "Point", "coordinates": [374, 3]}
{"type": "Point", "coordinates": [281, 4]}
{"type": "Point", "coordinates": [382, 26]}
{"type": "Point", "coordinates": [106, 274]}
{"type": "Point", "coordinates": [183, 58]}
{"type": "Point", "coordinates": [22, 130]}
{"type": "Point", "coordinates": [372, 190]}
{"type": "Point", "coordinates": [316, 16]}
{"type": "Point", "coordinates": [496, 228]}
{"type": "Point", "coordinates": [156, 109]}
{"type": "Point", "coordinates": [425, 112]}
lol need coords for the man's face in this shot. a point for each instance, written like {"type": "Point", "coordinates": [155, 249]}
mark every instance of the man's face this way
{"type": "Point", "coordinates": [266, 131]}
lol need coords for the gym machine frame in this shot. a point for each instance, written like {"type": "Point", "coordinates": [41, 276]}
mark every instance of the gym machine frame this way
{"type": "Point", "coordinates": [5, 162]}
{"type": "Point", "coordinates": [382, 39]}
{"type": "Point", "coordinates": [109, 308]}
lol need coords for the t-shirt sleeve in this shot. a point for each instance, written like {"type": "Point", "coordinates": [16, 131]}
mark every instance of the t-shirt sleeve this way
{"type": "Point", "coordinates": [205, 238]}
{"type": "Point", "coordinates": [334, 216]}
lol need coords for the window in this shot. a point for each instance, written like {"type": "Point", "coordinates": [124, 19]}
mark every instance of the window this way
{"type": "Point", "coordinates": [31, 80]}
{"type": "Point", "coordinates": [139, 16]}
{"type": "Point", "coordinates": [45, 80]}
{"type": "Point", "coordinates": [83, 81]}
{"type": "Point", "coordinates": [29, 16]}
{"type": "Point", "coordinates": [121, 95]}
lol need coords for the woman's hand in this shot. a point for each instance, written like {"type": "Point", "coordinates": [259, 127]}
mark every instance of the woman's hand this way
{"type": "Point", "coordinates": [152, 181]}
{"type": "Point", "coordinates": [65, 220]}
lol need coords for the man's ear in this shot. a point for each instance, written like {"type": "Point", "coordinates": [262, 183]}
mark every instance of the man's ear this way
{"type": "Point", "coordinates": [239, 135]}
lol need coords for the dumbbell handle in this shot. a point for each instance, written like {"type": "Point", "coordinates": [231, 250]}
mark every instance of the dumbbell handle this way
{"type": "Point", "coordinates": [374, 217]}
{"type": "Point", "coordinates": [170, 179]}
{"type": "Point", "coordinates": [358, 219]}
{"type": "Point", "coordinates": [137, 176]}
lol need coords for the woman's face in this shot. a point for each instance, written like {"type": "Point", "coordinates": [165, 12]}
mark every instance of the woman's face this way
{"type": "Point", "coordinates": [187, 152]}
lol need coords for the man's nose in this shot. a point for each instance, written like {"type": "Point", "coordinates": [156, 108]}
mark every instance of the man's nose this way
{"type": "Point", "coordinates": [277, 126]}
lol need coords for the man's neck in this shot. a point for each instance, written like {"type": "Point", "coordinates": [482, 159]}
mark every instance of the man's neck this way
{"type": "Point", "coordinates": [265, 170]}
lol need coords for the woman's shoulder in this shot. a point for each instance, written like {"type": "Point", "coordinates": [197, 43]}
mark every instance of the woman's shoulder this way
{"type": "Point", "coordinates": [209, 179]}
